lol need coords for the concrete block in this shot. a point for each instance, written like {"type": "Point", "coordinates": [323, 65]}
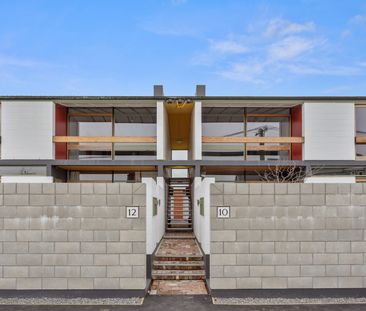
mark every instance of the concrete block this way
{"type": "Point", "coordinates": [69, 223]}
{"type": "Point", "coordinates": [80, 283]}
{"type": "Point", "coordinates": [312, 247]}
{"type": "Point", "coordinates": [311, 223]}
{"type": "Point", "coordinates": [54, 259]}
{"type": "Point", "coordinates": [229, 188]}
{"type": "Point", "coordinates": [325, 211]}
{"type": "Point", "coordinates": [242, 188]}
{"type": "Point", "coordinates": [338, 270]}
{"type": "Point", "coordinates": [94, 199]}
{"type": "Point", "coordinates": [107, 212]}
{"type": "Point", "coordinates": [350, 259]}
{"type": "Point", "coordinates": [281, 188]}
{"type": "Point", "coordinates": [93, 223]}
{"type": "Point", "coordinates": [223, 283]}
{"type": "Point", "coordinates": [300, 259]}
{"type": "Point", "coordinates": [358, 270]}
{"type": "Point", "coordinates": [300, 235]}
{"type": "Point", "coordinates": [312, 199]}
{"type": "Point", "coordinates": [286, 223]}
{"type": "Point", "coordinates": [138, 188]}
{"type": "Point", "coordinates": [139, 271]}
{"type": "Point", "coordinates": [306, 188]}
{"type": "Point", "coordinates": [274, 283]}
{"type": "Point", "coordinates": [106, 259]}
{"type": "Point", "coordinates": [264, 211]}
{"type": "Point", "coordinates": [217, 271]}
{"type": "Point", "coordinates": [36, 188]}
{"type": "Point", "coordinates": [47, 189]}
{"type": "Point", "coordinates": [249, 235]}
{"type": "Point", "coordinates": [8, 283]}
{"type": "Point", "coordinates": [351, 211]}
{"type": "Point", "coordinates": [29, 283]}
{"type": "Point", "coordinates": [111, 235]}
{"type": "Point", "coordinates": [80, 235]}
{"type": "Point", "coordinates": [261, 200]}
{"type": "Point", "coordinates": [7, 259]}
{"type": "Point", "coordinates": [125, 188]}
{"type": "Point", "coordinates": [236, 247]}
{"type": "Point", "coordinates": [287, 271]}
{"type": "Point", "coordinates": [41, 199]}
{"type": "Point", "coordinates": [356, 199]}
{"type": "Point", "coordinates": [262, 223]}
{"type": "Point", "coordinates": [262, 271]}
{"type": "Point", "coordinates": [350, 235]}
{"type": "Point", "coordinates": [249, 283]}
{"type": "Point", "coordinates": [224, 235]}
{"type": "Point", "coordinates": [338, 247]}
{"type": "Point", "coordinates": [93, 247]}
{"type": "Point", "coordinates": [67, 247]}
{"type": "Point", "coordinates": [325, 259]}
{"type": "Point", "coordinates": [121, 247]}
{"type": "Point", "coordinates": [9, 188]}
{"type": "Point", "coordinates": [132, 259]}
{"type": "Point", "coordinates": [325, 282]}
{"type": "Point", "coordinates": [319, 188]}
{"type": "Point", "coordinates": [217, 247]}
{"type": "Point", "coordinates": [16, 199]}
{"type": "Point", "coordinates": [79, 259]}
{"type": "Point", "coordinates": [350, 282]}
{"type": "Point", "coordinates": [300, 282]}
{"type": "Point", "coordinates": [356, 188]}
{"type": "Point", "coordinates": [42, 272]}
{"type": "Point", "coordinates": [338, 199]}
{"type": "Point", "coordinates": [87, 188]}
{"type": "Point", "coordinates": [113, 188]}
{"type": "Point", "coordinates": [119, 271]}
{"type": "Point", "coordinates": [61, 188]}
{"type": "Point", "coordinates": [29, 259]}
{"type": "Point", "coordinates": [54, 283]}
{"type": "Point", "coordinates": [93, 272]}
{"type": "Point", "coordinates": [23, 188]}
{"type": "Point", "coordinates": [268, 188]}
{"type": "Point", "coordinates": [15, 271]}
{"type": "Point", "coordinates": [132, 283]}
{"type": "Point", "coordinates": [312, 270]}
{"type": "Point", "coordinates": [15, 247]}
{"type": "Point", "coordinates": [106, 283]}
{"type": "Point", "coordinates": [287, 247]}
{"type": "Point", "coordinates": [100, 188]}
{"type": "Point", "coordinates": [54, 235]}
{"type": "Point", "coordinates": [74, 188]}
{"type": "Point", "coordinates": [29, 235]}
{"type": "Point", "coordinates": [274, 259]}
{"type": "Point", "coordinates": [7, 211]}
{"type": "Point", "coordinates": [287, 200]}
{"type": "Point", "coordinates": [67, 271]}
{"type": "Point", "coordinates": [236, 271]}
{"type": "Point", "coordinates": [261, 247]}
{"type": "Point", "coordinates": [67, 199]}
{"type": "Point", "coordinates": [132, 236]}
{"type": "Point", "coordinates": [325, 235]}
{"type": "Point", "coordinates": [234, 200]}
{"type": "Point", "coordinates": [223, 259]}
{"type": "Point", "coordinates": [217, 200]}
{"type": "Point", "coordinates": [139, 200]}
{"type": "Point", "coordinates": [239, 223]}
{"type": "Point", "coordinates": [331, 188]}
{"type": "Point", "coordinates": [248, 259]}
{"type": "Point", "coordinates": [274, 235]}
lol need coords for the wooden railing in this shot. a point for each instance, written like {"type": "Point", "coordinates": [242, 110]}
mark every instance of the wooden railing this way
{"type": "Point", "coordinates": [284, 140]}
{"type": "Point", "coordinates": [104, 139]}
{"type": "Point", "coordinates": [361, 140]}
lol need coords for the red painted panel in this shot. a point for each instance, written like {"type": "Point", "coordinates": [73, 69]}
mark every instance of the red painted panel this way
{"type": "Point", "coordinates": [296, 131]}
{"type": "Point", "coordinates": [61, 130]}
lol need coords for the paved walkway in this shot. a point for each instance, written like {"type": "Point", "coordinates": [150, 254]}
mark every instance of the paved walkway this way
{"type": "Point", "coordinates": [184, 303]}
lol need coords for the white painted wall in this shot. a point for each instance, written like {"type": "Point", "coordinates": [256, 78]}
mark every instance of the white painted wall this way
{"type": "Point", "coordinates": [196, 132]}
{"type": "Point", "coordinates": [162, 132]}
{"type": "Point", "coordinates": [202, 224]}
{"type": "Point", "coordinates": [329, 131]}
{"type": "Point", "coordinates": [155, 225]}
{"type": "Point", "coordinates": [330, 179]}
{"type": "Point", "coordinates": [27, 128]}
{"type": "Point", "coordinates": [27, 179]}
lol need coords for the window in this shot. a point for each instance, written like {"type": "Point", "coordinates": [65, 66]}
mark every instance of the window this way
{"type": "Point", "coordinates": [360, 132]}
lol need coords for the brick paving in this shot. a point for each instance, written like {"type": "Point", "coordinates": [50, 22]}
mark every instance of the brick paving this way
{"type": "Point", "coordinates": [179, 248]}
{"type": "Point", "coordinates": [162, 287]}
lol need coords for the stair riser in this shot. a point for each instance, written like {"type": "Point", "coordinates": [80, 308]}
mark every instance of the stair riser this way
{"type": "Point", "coordinates": [178, 278]}
{"type": "Point", "coordinates": [178, 267]}
{"type": "Point", "coordinates": [175, 258]}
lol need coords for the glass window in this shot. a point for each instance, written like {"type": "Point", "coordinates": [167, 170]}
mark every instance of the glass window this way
{"type": "Point", "coordinates": [90, 122]}
{"type": "Point", "coordinates": [135, 122]}
{"type": "Point", "coordinates": [360, 131]}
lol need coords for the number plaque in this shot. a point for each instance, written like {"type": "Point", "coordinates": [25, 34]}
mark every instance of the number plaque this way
{"type": "Point", "coordinates": [132, 212]}
{"type": "Point", "coordinates": [223, 212]}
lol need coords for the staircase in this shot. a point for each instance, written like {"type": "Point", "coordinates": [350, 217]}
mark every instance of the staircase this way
{"type": "Point", "coordinates": [179, 205]}
{"type": "Point", "coordinates": [178, 259]}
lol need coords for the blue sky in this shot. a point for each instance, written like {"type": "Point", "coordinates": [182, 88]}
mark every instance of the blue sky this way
{"type": "Point", "coordinates": [235, 47]}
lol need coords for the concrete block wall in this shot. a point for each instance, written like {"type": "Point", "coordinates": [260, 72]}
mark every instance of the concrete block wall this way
{"type": "Point", "coordinates": [288, 236]}
{"type": "Point", "coordinates": [72, 236]}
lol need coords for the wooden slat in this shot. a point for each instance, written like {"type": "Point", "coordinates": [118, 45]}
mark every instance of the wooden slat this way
{"type": "Point", "coordinates": [268, 148]}
{"type": "Point", "coordinates": [217, 139]}
{"type": "Point", "coordinates": [360, 139]}
{"type": "Point", "coordinates": [104, 139]}
{"type": "Point", "coordinates": [361, 158]}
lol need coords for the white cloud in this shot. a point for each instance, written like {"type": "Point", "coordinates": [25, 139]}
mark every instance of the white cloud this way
{"type": "Point", "coordinates": [282, 27]}
{"type": "Point", "coordinates": [17, 62]}
{"type": "Point", "coordinates": [228, 46]}
{"type": "Point", "coordinates": [358, 19]}
{"type": "Point", "coordinates": [247, 72]}
{"type": "Point", "coordinates": [290, 47]}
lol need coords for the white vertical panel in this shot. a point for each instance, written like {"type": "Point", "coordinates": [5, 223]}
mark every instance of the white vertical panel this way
{"type": "Point", "coordinates": [329, 131]}
{"type": "Point", "coordinates": [196, 131]}
{"type": "Point", "coordinates": [27, 129]}
{"type": "Point", "coordinates": [162, 132]}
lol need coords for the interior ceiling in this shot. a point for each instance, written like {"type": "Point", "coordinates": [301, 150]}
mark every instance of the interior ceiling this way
{"type": "Point", "coordinates": [145, 168]}
{"type": "Point", "coordinates": [179, 119]}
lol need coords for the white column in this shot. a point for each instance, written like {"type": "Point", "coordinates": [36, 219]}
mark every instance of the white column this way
{"type": "Point", "coordinates": [162, 132]}
{"type": "Point", "coordinates": [329, 131]}
{"type": "Point", "coordinates": [27, 129]}
{"type": "Point", "coordinates": [196, 131]}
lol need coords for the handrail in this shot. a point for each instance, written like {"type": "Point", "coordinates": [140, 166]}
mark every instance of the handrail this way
{"type": "Point", "coordinates": [220, 139]}
{"type": "Point", "coordinates": [104, 139]}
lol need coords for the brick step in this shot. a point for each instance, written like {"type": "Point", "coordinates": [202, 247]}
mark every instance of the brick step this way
{"type": "Point", "coordinates": [180, 226]}
{"type": "Point", "coordinates": [189, 258]}
{"type": "Point", "coordinates": [179, 229]}
{"type": "Point", "coordinates": [178, 265]}
{"type": "Point", "coordinates": [178, 274]}
{"type": "Point", "coordinates": [178, 235]}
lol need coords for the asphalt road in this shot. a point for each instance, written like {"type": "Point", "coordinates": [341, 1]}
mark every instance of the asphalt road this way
{"type": "Point", "coordinates": [189, 303]}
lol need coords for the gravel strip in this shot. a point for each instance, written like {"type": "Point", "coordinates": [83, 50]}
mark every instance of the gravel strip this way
{"type": "Point", "coordinates": [73, 301]}
{"type": "Point", "coordinates": [287, 301]}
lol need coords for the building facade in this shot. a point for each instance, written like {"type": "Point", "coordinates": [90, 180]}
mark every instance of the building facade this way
{"type": "Point", "coordinates": [271, 187]}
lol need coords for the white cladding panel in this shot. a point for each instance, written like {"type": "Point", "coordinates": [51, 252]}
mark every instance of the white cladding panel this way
{"type": "Point", "coordinates": [27, 128]}
{"type": "Point", "coordinates": [27, 179]}
{"type": "Point", "coordinates": [330, 179]}
{"type": "Point", "coordinates": [329, 131]}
